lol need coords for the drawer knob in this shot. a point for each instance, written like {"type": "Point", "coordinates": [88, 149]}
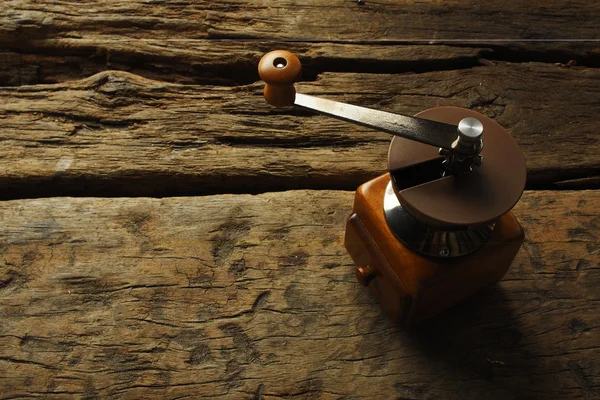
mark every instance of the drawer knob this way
{"type": "Point", "coordinates": [365, 274]}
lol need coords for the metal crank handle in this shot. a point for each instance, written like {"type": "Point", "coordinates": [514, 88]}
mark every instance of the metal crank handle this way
{"type": "Point", "coordinates": [280, 69]}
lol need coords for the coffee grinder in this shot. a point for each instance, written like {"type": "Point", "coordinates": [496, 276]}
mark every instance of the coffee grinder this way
{"type": "Point", "coordinates": [437, 227]}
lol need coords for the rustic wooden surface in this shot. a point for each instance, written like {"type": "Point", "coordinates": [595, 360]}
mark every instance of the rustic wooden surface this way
{"type": "Point", "coordinates": [205, 297]}
{"type": "Point", "coordinates": [384, 21]}
{"type": "Point", "coordinates": [232, 295]}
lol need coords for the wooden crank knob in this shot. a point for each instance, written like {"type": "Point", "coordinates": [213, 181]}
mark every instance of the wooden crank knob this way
{"type": "Point", "coordinates": [280, 69]}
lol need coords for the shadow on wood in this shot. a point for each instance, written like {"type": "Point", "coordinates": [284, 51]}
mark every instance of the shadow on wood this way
{"type": "Point", "coordinates": [480, 339]}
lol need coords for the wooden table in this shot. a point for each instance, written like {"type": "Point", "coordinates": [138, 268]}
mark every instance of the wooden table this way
{"type": "Point", "coordinates": [166, 234]}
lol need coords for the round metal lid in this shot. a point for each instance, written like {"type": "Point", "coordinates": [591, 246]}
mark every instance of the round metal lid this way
{"type": "Point", "coordinates": [474, 198]}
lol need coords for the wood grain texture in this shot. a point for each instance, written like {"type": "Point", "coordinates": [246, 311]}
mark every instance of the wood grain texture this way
{"type": "Point", "coordinates": [240, 296]}
{"type": "Point", "coordinates": [207, 42]}
{"type": "Point", "coordinates": [318, 20]}
{"type": "Point", "coordinates": [116, 133]}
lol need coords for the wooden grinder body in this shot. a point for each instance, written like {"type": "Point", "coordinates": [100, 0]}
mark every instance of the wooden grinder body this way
{"type": "Point", "coordinates": [411, 286]}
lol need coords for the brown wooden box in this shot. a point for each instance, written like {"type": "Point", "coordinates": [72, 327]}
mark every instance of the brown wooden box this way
{"type": "Point", "coordinates": [410, 286]}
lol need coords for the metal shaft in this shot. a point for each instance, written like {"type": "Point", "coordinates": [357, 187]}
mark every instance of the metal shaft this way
{"type": "Point", "coordinates": [421, 130]}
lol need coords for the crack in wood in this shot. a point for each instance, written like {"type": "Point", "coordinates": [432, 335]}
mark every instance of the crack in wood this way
{"type": "Point", "coordinates": [41, 63]}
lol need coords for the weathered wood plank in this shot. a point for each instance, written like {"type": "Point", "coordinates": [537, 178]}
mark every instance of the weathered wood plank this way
{"type": "Point", "coordinates": [386, 21]}
{"type": "Point", "coordinates": [57, 41]}
{"type": "Point", "coordinates": [240, 296]}
{"type": "Point", "coordinates": [119, 134]}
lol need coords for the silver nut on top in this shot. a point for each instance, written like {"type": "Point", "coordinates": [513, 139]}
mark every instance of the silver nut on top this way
{"type": "Point", "coordinates": [468, 141]}
{"type": "Point", "coordinates": [470, 128]}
